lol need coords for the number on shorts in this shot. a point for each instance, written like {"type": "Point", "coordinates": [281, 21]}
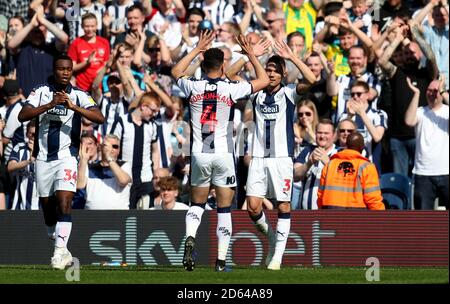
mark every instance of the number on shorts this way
{"type": "Point", "coordinates": [287, 185]}
{"type": "Point", "coordinates": [69, 175]}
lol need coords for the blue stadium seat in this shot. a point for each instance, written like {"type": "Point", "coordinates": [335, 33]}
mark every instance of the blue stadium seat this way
{"type": "Point", "coordinates": [396, 190]}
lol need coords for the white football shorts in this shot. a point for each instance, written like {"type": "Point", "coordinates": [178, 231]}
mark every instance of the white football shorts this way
{"type": "Point", "coordinates": [60, 174]}
{"type": "Point", "coordinates": [216, 168]}
{"type": "Point", "coordinates": [271, 178]}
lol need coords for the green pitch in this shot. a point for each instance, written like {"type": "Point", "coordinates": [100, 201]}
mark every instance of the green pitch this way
{"type": "Point", "coordinates": [39, 274]}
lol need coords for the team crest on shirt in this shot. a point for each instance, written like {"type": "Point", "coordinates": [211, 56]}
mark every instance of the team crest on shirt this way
{"type": "Point", "coordinates": [58, 110]}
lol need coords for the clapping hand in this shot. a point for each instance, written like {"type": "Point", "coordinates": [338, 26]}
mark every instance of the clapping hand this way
{"type": "Point", "coordinates": [283, 50]}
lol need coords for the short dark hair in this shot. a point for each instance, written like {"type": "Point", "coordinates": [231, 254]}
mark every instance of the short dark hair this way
{"type": "Point", "coordinates": [295, 34]}
{"type": "Point", "coordinates": [362, 84]}
{"type": "Point", "coordinates": [325, 121]}
{"type": "Point", "coordinates": [279, 62]}
{"type": "Point", "coordinates": [195, 11]}
{"type": "Point", "coordinates": [332, 7]}
{"type": "Point", "coordinates": [62, 56]}
{"type": "Point", "coordinates": [213, 60]}
{"type": "Point", "coordinates": [136, 6]}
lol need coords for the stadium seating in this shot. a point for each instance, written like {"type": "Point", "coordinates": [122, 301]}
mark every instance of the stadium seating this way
{"type": "Point", "coordinates": [396, 190]}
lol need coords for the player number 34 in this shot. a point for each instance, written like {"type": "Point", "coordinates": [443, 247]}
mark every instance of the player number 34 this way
{"type": "Point", "coordinates": [70, 176]}
{"type": "Point", "coordinates": [230, 293]}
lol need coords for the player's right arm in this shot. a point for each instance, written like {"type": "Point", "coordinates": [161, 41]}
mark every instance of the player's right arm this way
{"type": "Point", "coordinates": [179, 70]}
{"type": "Point", "coordinates": [31, 109]}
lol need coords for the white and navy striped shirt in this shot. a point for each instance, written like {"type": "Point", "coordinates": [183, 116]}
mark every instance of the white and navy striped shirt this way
{"type": "Point", "coordinates": [274, 119]}
{"type": "Point", "coordinates": [220, 11]}
{"type": "Point", "coordinates": [211, 105]}
{"type": "Point", "coordinates": [377, 117]}
{"type": "Point", "coordinates": [14, 129]}
{"type": "Point", "coordinates": [345, 82]}
{"type": "Point", "coordinates": [136, 146]}
{"type": "Point", "coordinates": [311, 182]}
{"type": "Point", "coordinates": [25, 195]}
{"type": "Point", "coordinates": [111, 111]}
{"type": "Point", "coordinates": [58, 130]}
{"type": "Point", "coordinates": [75, 28]}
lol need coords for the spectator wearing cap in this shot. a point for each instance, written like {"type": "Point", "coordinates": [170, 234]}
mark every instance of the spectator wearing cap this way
{"type": "Point", "coordinates": [14, 131]}
{"type": "Point", "coordinates": [89, 53]}
{"type": "Point", "coordinates": [107, 182]}
{"type": "Point", "coordinates": [32, 55]}
{"type": "Point", "coordinates": [169, 192]}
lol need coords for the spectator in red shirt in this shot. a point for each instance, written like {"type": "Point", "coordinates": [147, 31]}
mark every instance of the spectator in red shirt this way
{"type": "Point", "coordinates": [88, 52]}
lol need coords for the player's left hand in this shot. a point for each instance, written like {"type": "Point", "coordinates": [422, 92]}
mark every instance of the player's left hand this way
{"type": "Point", "coordinates": [283, 49]}
{"type": "Point", "coordinates": [67, 102]}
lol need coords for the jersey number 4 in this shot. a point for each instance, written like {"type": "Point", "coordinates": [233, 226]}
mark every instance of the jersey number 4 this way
{"type": "Point", "coordinates": [208, 117]}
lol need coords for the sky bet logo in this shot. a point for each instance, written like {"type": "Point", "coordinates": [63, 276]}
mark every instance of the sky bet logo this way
{"type": "Point", "coordinates": [269, 109]}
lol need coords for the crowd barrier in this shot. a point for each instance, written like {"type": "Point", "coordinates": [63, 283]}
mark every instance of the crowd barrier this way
{"type": "Point", "coordinates": [317, 238]}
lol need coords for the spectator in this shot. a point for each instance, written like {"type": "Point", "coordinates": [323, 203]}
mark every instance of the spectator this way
{"type": "Point", "coordinates": [14, 8]}
{"type": "Point", "coordinates": [107, 182]}
{"type": "Point", "coordinates": [276, 24]}
{"type": "Point", "coordinates": [115, 18]}
{"type": "Point", "coordinates": [21, 166]}
{"type": "Point", "coordinates": [322, 90]}
{"type": "Point", "coordinates": [165, 20]}
{"type": "Point", "coordinates": [358, 72]}
{"type": "Point", "coordinates": [309, 163]}
{"type": "Point", "coordinates": [371, 123]}
{"type": "Point", "coordinates": [14, 131]}
{"type": "Point", "coordinates": [431, 167]}
{"type": "Point", "coordinates": [304, 129]}
{"type": "Point", "coordinates": [360, 16]}
{"type": "Point", "coordinates": [299, 16]}
{"type": "Point", "coordinates": [251, 18]}
{"type": "Point", "coordinates": [189, 34]}
{"type": "Point", "coordinates": [402, 138]}
{"type": "Point", "coordinates": [76, 24]}
{"type": "Point", "coordinates": [218, 11]}
{"type": "Point", "coordinates": [438, 34]}
{"type": "Point", "coordinates": [135, 21]}
{"type": "Point", "coordinates": [138, 137]}
{"type": "Point", "coordinates": [388, 11]}
{"type": "Point", "coordinates": [32, 55]}
{"type": "Point", "coordinates": [88, 52]}
{"type": "Point", "coordinates": [155, 197]}
{"type": "Point", "coordinates": [349, 180]}
{"type": "Point", "coordinates": [169, 192]}
{"type": "Point", "coordinates": [344, 128]}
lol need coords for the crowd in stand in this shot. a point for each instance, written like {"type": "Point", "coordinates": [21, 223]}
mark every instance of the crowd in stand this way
{"type": "Point", "coordinates": [380, 68]}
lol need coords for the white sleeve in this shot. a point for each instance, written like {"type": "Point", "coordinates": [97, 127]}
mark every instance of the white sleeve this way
{"type": "Point", "coordinates": [13, 123]}
{"type": "Point", "coordinates": [86, 101]}
{"type": "Point", "coordinates": [240, 89]}
{"type": "Point", "coordinates": [291, 92]}
{"type": "Point", "coordinates": [185, 84]}
{"type": "Point", "coordinates": [419, 114]}
{"type": "Point", "coordinates": [127, 168]}
{"type": "Point", "coordinates": [34, 98]}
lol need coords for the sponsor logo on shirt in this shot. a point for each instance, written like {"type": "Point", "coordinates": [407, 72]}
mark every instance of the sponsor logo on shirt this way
{"type": "Point", "coordinates": [269, 109]}
{"type": "Point", "coordinates": [58, 110]}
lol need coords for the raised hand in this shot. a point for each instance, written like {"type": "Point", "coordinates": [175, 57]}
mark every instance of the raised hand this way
{"type": "Point", "coordinates": [106, 19]}
{"type": "Point", "coordinates": [283, 49]}
{"type": "Point", "coordinates": [84, 153]}
{"type": "Point", "coordinates": [206, 37]}
{"type": "Point", "coordinates": [261, 47]}
{"type": "Point", "coordinates": [412, 86]}
{"type": "Point", "coordinates": [245, 45]}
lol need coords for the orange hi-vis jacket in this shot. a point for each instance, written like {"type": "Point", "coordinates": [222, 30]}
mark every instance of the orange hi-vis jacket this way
{"type": "Point", "coordinates": [349, 181]}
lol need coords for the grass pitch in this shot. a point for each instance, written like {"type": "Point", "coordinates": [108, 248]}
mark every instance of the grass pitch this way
{"type": "Point", "coordinates": [42, 274]}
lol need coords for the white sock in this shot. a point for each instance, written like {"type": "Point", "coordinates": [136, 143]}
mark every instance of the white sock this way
{"type": "Point", "coordinates": [223, 232]}
{"type": "Point", "coordinates": [283, 227]}
{"type": "Point", "coordinates": [50, 230]}
{"type": "Point", "coordinates": [62, 230]}
{"type": "Point", "coordinates": [193, 220]}
{"type": "Point", "coordinates": [261, 224]}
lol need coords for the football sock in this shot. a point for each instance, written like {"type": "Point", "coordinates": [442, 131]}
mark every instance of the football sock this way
{"type": "Point", "coordinates": [283, 227]}
{"type": "Point", "coordinates": [194, 218]}
{"type": "Point", "coordinates": [261, 222]}
{"type": "Point", "coordinates": [63, 229]}
{"type": "Point", "coordinates": [223, 232]}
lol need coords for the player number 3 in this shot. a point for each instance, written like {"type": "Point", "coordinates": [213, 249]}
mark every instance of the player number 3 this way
{"type": "Point", "coordinates": [69, 175]}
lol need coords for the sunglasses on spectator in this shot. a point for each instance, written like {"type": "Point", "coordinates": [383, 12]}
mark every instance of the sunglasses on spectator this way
{"type": "Point", "coordinates": [357, 94]}
{"type": "Point", "coordinates": [308, 114]}
{"type": "Point", "coordinates": [154, 49]}
{"type": "Point", "coordinates": [346, 130]}
{"type": "Point", "coordinates": [113, 146]}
